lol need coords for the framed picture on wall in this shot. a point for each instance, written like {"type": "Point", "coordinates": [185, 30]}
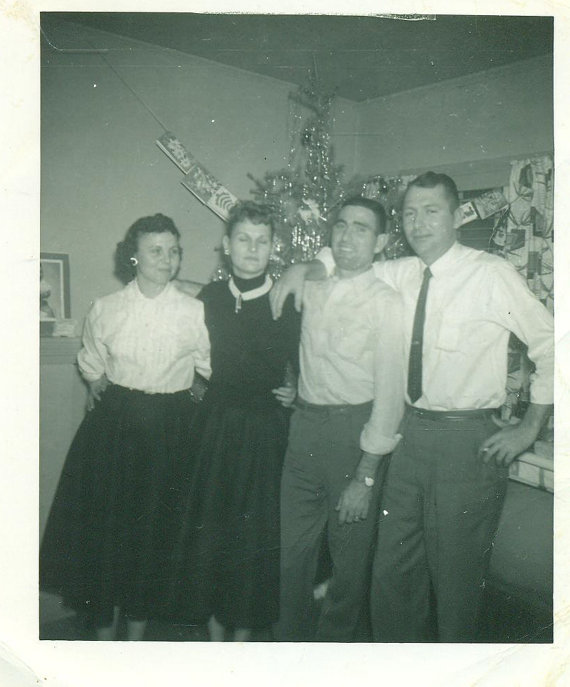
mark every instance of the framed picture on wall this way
{"type": "Point", "coordinates": [55, 301]}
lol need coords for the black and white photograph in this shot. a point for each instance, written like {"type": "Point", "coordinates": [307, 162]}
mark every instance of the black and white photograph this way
{"type": "Point", "coordinates": [311, 395]}
{"type": "Point", "coordinates": [54, 287]}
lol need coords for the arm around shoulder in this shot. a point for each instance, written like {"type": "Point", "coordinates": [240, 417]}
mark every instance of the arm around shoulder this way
{"type": "Point", "coordinates": [292, 282]}
{"type": "Point", "coordinates": [192, 288]}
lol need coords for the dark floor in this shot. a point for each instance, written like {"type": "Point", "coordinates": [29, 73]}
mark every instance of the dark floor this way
{"type": "Point", "coordinates": [507, 620]}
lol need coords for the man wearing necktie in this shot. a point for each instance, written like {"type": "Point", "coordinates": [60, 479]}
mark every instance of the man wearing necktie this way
{"type": "Point", "coordinates": [445, 487]}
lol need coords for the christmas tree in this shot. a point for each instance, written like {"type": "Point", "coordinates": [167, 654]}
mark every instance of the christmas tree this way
{"type": "Point", "coordinates": [389, 192]}
{"type": "Point", "coordinates": [304, 193]}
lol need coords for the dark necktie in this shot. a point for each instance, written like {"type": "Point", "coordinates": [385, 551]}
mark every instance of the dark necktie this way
{"type": "Point", "coordinates": [415, 364]}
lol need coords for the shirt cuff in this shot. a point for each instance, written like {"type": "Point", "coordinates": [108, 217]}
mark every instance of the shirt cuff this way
{"type": "Point", "coordinates": [378, 444]}
{"type": "Point", "coordinates": [542, 396]}
{"type": "Point", "coordinates": [87, 372]}
{"type": "Point", "coordinates": [90, 376]}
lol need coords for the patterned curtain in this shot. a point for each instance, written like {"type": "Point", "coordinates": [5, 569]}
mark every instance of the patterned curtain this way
{"type": "Point", "coordinates": [524, 234]}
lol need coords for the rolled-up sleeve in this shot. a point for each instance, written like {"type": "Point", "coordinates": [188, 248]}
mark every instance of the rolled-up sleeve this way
{"type": "Point", "coordinates": [380, 434]}
{"type": "Point", "coordinates": [92, 357]}
{"type": "Point", "coordinates": [523, 314]}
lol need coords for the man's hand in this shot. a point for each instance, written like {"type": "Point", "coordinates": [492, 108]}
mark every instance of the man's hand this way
{"type": "Point", "coordinates": [507, 444]}
{"type": "Point", "coordinates": [96, 388]}
{"type": "Point", "coordinates": [512, 440]}
{"type": "Point", "coordinates": [285, 395]}
{"type": "Point", "coordinates": [353, 502]}
{"type": "Point", "coordinates": [291, 281]}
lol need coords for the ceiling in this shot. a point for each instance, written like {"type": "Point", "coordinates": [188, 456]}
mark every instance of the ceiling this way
{"type": "Point", "coordinates": [358, 57]}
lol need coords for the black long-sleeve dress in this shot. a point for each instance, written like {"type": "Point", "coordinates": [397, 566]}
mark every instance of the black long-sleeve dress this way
{"type": "Point", "coordinates": [229, 553]}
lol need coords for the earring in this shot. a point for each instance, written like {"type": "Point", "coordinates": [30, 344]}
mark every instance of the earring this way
{"type": "Point", "coordinates": [134, 262]}
{"type": "Point", "coordinates": [226, 251]}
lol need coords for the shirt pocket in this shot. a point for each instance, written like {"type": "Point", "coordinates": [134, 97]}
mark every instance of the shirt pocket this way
{"type": "Point", "coordinates": [451, 331]}
{"type": "Point", "coordinates": [462, 332]}
{"type": "Point", "coordinates": [353, 342]}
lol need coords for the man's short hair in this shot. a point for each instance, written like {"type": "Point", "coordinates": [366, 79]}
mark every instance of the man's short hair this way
{"type": "Point", "coordinates": [433, 179]}
{"type": "Point", "coordinates": [369, 204]}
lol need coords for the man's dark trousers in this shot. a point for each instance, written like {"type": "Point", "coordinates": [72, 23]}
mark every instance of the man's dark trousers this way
{"type": "Point", "coordinates": [322, 456]}
{"type": "Point", "coordinates": [440, 511]}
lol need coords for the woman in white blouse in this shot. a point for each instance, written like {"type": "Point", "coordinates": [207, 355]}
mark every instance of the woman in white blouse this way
{"type": "Point", "coordinates": [115, 513]}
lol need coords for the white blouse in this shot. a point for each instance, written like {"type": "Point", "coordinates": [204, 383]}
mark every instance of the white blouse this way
{"type": "Point", "coordinates": [150, 344]}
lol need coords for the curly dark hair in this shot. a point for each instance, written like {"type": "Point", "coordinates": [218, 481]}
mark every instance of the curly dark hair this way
{"type": "Point", "coordinates": [252, 211]}
{"type": "Point", "coordinates": [154, 224]}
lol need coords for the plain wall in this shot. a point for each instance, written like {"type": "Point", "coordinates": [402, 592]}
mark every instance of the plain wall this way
{"type": "Point", "coordinates": [471, 127]}
{"type": "Point", "coordinates": [101, 168]}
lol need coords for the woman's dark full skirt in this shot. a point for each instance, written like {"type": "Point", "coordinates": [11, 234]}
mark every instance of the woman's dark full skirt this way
{"type": "Point", "coordinates": [229, 552]}
{"type": "Point", "coordinates": [117, 511]}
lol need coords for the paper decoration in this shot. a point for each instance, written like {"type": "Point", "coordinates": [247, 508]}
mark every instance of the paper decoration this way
{"type": "Point", "coordinates": [489, 203]}
{"type": "Point", "coordinates": [468, 212]}
{"type": "Point", "coordinates": [198, 180]}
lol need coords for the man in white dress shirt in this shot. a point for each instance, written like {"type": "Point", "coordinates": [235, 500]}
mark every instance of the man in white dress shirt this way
{"type": "Point", "coordinates": [351, 400]}
{"type": "Point", "coordinates": [445, 488]}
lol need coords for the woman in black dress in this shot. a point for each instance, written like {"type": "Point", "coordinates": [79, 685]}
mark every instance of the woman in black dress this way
{"type": "Point", "coordinates": [230, 547]}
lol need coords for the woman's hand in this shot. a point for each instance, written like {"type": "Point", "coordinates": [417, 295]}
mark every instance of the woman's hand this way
{"type": "Point", "coordinates": [96, 388]}
{"type": "Point", "coordinates": [198, 388]}
{"type": "Point", "coordinates": [286, 395]}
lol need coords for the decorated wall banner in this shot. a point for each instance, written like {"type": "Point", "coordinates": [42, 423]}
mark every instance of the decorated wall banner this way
{"type": "Point", "coordinates": [197, 179]}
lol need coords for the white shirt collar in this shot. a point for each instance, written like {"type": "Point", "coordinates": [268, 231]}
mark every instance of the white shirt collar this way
{"type": "Point", "coordinates": [137, 293]}
{"type": "Point", "coordinates": [363, 278]}
{"type": "Point", "coordinates": [445, 261]}
{"type": "Point", "coordinates": [249, 295]}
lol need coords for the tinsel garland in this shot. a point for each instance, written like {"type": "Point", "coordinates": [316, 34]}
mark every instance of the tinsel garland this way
{"type": "Point", "coordinates": [304, 193]}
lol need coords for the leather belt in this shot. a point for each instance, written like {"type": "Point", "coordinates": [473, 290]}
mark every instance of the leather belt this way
{"type": "Point", "coordinates": [450, 414]}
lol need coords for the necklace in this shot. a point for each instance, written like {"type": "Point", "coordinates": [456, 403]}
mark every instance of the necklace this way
{"type": "Point", "coordinates": [249, 295]}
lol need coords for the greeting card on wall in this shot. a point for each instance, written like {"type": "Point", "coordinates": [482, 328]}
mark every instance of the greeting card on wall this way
{"type": "Point", "coordinates": [54, 287]}
{"type": "Point", "coordinates": [197, 179]}
{"type": "Point", "coordinates": [55, 304]}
